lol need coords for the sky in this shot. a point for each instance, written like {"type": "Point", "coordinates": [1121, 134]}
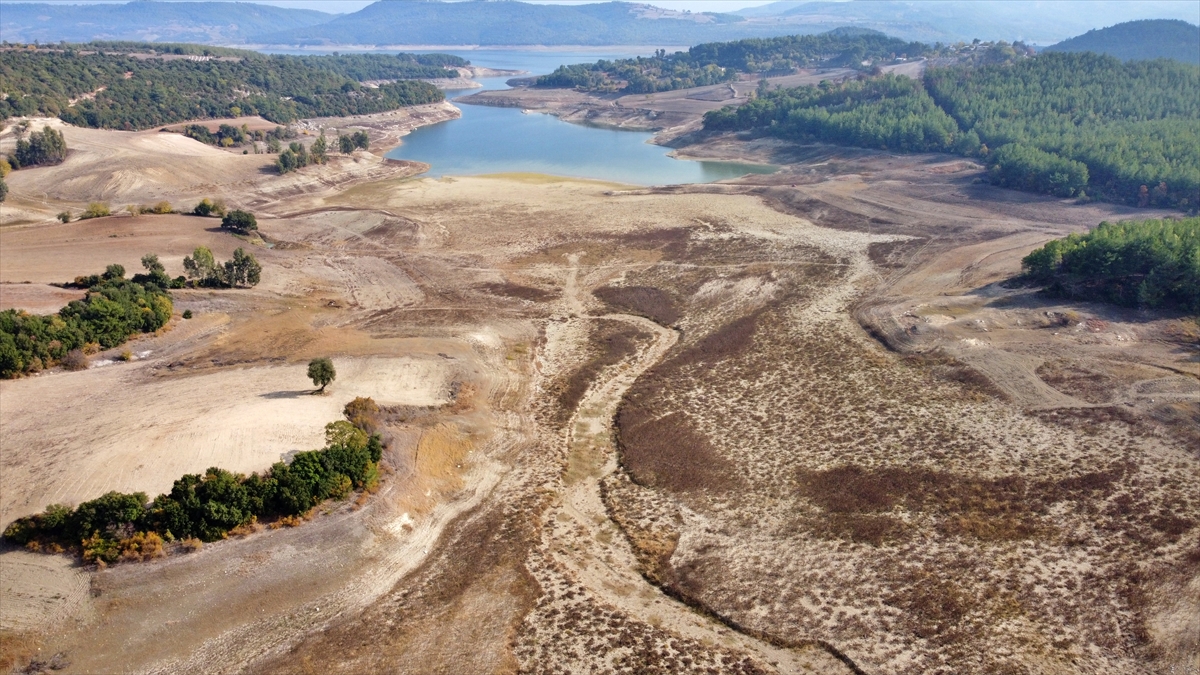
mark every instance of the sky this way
{"type": "Point", "coordinates": [346, 6]}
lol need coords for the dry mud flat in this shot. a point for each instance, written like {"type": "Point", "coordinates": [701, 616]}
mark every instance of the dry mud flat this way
{"type": "Point", "coordinates": [679, 450]}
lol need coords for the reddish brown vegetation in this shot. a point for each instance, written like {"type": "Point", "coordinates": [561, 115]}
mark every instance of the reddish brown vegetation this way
{"type": "Point", "coordinates": [653, 303]}
{"type": "Point", "coordinates": [511, 290]}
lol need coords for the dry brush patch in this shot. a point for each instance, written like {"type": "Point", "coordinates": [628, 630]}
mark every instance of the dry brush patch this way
{"type": "Point", "coordinates": [893, 507]}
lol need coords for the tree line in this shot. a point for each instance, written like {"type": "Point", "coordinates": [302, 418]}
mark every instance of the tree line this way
{"type": "Point", "coordinates": [208, 507]}
{"type": "Point", "coordinates": [717, 62]}
{"type": "Point", "coordinates": [119, 91]}
{"type": "Point", "coordinates": [1071, 125]}
{"type": "Point", "coordinates": [1148, 263]}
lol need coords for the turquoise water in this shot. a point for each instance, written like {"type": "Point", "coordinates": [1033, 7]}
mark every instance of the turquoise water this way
{"type": "Point", "coordinates": [500, 140]}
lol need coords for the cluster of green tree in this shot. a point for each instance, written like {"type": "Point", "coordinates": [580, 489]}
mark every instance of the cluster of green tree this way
{"type": "Point", "coordinates": [297, 156]}
{"type": "Point", "coordinates": [202, 268]}
{"type": "Point", "coordinates": [5, 167]}
{"type": "Point", "coordinates": [241, 222]}
{"type": "Point", "coordinates": [119, 91]}
{"type": "Point", "coordinates": [1140, 40]}
{"type": "Point", "coordinates": [785, 54]}
{"type": "Point", "coordinates": [1132, 124]}
{"type": "Point", "coordinates": [641, 75]}
{"type": "Point", "coordinates": [888, 112]}
{"type": "Point", "coordinates": [113, 309]}
{"type": "Point", "coordinates": [42, 147]}
{"type": "Point", "coordinates": [1149, 263]}
{"type": "Point", "coordinates": [358, 140]}
{"type": "Point", "coordinates": [213, 207]}
{"type": "Point", "coordinates": [1062, 124]}
{"type": "Point", "coordinates": [718, 62]}
{"type": "Point", "coordinates": [206, 507]}
{"type": "Point", "coordinates": [364, 67]}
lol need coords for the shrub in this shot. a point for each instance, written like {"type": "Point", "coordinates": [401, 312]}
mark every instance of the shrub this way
{"type": "Point", "coordinates": [204, 208]}
{"type": "Point", "coordinates": [64, 217]}
{"type": "Point", "coordinates": [75, 360]}
{"type": "Point", "coordinates": [187, 313]}
{"type": "Point", "coordinates": [96, 210]}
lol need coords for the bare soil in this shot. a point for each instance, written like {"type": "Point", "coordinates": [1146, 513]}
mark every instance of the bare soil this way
{"type": "Point", "coordinates": [792, 423]}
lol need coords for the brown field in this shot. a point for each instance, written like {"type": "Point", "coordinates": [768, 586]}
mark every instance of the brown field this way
{"type": "Point", "coordinates": [792, 423]}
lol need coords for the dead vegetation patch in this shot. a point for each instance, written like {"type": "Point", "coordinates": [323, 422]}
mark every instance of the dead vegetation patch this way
{"type": "Point", "coordinates": [653, 303]}
{"type": "Point", "coordinates": [949, 369]}
{"type": "Point", "coordinates": [857, 500]}
{"type": "Point", "coordinates": [1075, 380]}
{"type": "Point", "coordinates": [508, 289]}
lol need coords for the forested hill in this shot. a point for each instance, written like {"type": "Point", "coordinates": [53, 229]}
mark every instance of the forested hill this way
{"type": "Point", "coordinates": [139, 86]}
{"type": "Point", "coordinates": [1150, 39]}
{"type": "Point", "coordinates": [1071, 125]}
{"type": "Point", "coordinates": [221, 22]}
{"type": "Point", "coordinates": [716, 62]}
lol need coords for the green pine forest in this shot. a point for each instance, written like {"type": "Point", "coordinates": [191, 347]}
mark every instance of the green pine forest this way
{"type": "Point", "coordinates": [1066, 124]}
{"type": "Point", "coordinates": [1149, 263]}
{"type": "Point", "coordinates": [105, 85]}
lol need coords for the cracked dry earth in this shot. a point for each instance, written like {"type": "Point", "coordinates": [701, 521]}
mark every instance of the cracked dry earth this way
{"type": "Point", "coordinates": [685, 455]}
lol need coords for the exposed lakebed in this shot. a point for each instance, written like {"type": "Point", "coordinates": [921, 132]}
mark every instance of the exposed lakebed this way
{"type": "Point", "coordinates": [503, 140]}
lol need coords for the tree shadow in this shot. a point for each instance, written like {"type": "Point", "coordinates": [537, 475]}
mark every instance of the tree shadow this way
{"type": "Point", "coordinates": [290, 394]}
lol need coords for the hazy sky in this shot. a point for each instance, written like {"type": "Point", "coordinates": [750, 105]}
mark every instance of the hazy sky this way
{"type": "Point", "coordinates": [344, 6]}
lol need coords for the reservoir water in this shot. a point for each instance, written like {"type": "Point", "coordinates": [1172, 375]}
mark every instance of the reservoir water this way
{"type": "Point", "coordinates": [503, 140]}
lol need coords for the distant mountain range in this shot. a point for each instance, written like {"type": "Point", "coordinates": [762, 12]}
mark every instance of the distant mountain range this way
{"type": "Point", "coordinates": [1150, 39]}
{"type": "Point", "coordinates": [429, 22]}
{"type": "Point", "coordinates": [204, 22]}
{"type": "Point", "coordinates": [1032, 21]}
{"type": "Point", "coordinates": [409, 22]}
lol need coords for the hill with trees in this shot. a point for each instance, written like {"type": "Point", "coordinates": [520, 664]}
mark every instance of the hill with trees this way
{"type": "Point", "coordinates": [139, 86]}
{"type": "Point", "coordinates": [221, 22]}
{"type": "Point", "coordinates": [1140, 40]}
{"type": "Point", "coordinates": [715, 62]}
{"type": "Point", "coordinates": [1061, 124]}
{"type": "Point", "coordinates": [1149, 263]}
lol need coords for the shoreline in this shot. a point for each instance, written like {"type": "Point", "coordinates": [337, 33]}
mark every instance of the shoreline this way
{"type": "Point", "coordinates": [462, 48]}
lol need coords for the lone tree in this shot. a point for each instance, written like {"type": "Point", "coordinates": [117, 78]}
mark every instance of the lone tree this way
{"type": "Point", "coordinates": [321, 372]}
{"type": "Point", "coordinates": [239, 221]}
